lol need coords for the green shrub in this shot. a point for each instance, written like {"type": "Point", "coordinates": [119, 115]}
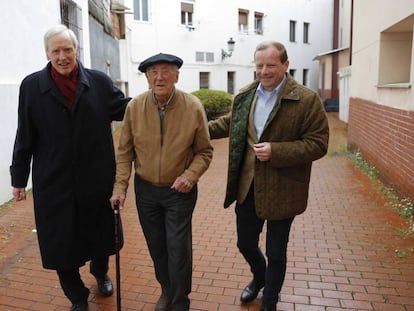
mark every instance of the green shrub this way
{"type": "Point", "coordinates": [215, 102]}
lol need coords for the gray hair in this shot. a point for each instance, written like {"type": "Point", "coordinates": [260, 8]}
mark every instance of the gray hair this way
{"type": "Point", "coordinates": [58, 29]}
{"type": "Point", "coordinates": [279, 46]}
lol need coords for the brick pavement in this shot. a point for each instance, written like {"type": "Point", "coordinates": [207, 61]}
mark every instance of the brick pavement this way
{"type": "Point", "coordinates": [341, 254]}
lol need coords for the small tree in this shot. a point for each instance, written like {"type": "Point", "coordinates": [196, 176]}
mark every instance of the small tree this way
{"type": "Point", "coordinates": [215, 102]}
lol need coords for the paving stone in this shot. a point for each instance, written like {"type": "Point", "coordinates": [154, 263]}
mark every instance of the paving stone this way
{"type": "Point", "coordinates": [341, 253]}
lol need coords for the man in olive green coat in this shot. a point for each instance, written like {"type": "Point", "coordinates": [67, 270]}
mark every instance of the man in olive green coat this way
{"type": "Point", "coordinates": [277, 128]}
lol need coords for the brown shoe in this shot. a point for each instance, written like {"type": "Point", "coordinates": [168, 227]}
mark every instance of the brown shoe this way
{"type": "Point", "coordinates": [163, 303]}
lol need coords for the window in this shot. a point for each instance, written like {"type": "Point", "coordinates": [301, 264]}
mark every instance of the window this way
{"type": "Point", "coordinates": [305, 32]}
{"type": "Point", "coordinates": [305, 77]}
{"type": "Point", "coordinates": [230, 82]}
{"type": "Point", "coordinates": [258, 23]}
{"type": "Point", "coordinates": [71, 16]}
{"type": "Point", "coordinates": [292, 31]}
{"type": "Point", "coordinates": [396, 50]}
{"type": "Point", "coordinates": [207, 57]}
{"type": "Point", "coordinates": [199, 56]}
{"type": "Point", "coordinates": [186, 13]}
{"type": "Point", "coordinates": [204, 80]}
{"type": "Point", "coordinates": [141, 10]}
{"type": "Point", "coordinates": [118, 19]}
{"type": "Point", "coordinates": [292, 72]}
{"type": "Point", "coordinates": [119, 26]}
{"type": "Point", "coordinates": [243, 20]}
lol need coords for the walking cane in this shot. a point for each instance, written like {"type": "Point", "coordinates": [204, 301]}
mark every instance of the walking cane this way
{"type": "Point", "coordinates": [117, 248]}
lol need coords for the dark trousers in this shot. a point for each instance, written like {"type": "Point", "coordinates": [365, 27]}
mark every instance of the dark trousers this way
{"type": "Point", "coordinates": [72, 284]}
{"type": "Point", "coordinates": [249, 227]}
{"type": "Point", "coordinates": [166, 219]}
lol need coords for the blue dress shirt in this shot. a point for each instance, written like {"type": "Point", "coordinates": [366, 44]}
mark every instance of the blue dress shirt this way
{"type": "Point", "coordinates": [264, 105]}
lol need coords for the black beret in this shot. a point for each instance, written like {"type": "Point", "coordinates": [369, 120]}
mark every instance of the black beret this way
{"type": "Point", "coordinates": [160, 58]}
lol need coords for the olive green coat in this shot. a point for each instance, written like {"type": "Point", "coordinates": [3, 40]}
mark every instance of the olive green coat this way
{"type": "Point", "coordinates": [298, 130]}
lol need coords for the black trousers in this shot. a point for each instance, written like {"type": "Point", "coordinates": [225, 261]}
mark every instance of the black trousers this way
{"type": "Point", "coordinates": [249, 227]}
{"type": "Point", "coordinates": [72, 284]}
{"type": "Point", "coordinates": [166, 219]}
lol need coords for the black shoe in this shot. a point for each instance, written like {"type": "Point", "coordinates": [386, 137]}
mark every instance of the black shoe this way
{"type": "Point", "coordinates": [163, 303]}
{"type": "Point", "coordinates": [79, 306]}
{"type": "Point", "coordinates": [269, 307]}
{"type": "Point", "coordinates": [105, 287]}
{"type": "Point", "coordinates": [251, 291]}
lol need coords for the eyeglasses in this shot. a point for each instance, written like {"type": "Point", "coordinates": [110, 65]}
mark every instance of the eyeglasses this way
{"type": "Point", "coordinates": [163, 73]}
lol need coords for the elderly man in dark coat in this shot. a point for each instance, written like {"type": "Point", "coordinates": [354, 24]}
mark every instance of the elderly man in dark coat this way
{"type": "Point", "coordinates": [64, 129]}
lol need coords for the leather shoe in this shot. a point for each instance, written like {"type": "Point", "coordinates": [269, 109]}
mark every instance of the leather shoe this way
{"type": "Point", "coordinates": [105, 287]}
{"type": "Point", "coordinates": [251, 291]}
{"type": "Point", "coordinates": [79, 306]}
{"type": "Point", "coordinates": [269, 307]}
{"type": "Point", "coordinates": [163, 303]}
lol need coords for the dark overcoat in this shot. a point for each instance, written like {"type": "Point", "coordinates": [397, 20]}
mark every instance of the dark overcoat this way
{"type": "Point", "coordinates": [73, 164]}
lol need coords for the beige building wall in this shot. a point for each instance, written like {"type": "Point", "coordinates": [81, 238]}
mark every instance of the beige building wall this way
{"type": "Point", "coordinates": [381, 104]}
{"type": "Point", "coordinates": [382, 66]}
{"type": "Point", "coordinates": [343, 59]}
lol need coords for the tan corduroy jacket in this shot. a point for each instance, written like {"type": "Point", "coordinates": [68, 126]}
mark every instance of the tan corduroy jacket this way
{"type": "Point", "coordinates": [183, 147]}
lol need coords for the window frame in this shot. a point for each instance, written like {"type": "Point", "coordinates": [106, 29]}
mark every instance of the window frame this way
{"type": "Point", "coordinates": [204, 80]}
{"type": "Point", "coordinates": [141, 10]}
{"type": "Point", "coordinates": [305, 76]}
{"type": "Point", "coordinates": [258, 23]}
{"type": "Point", "coordinates": [306, 27]}
{"type": "Point", "coordinates": [187, 13]}
{"type": "Point", "coordinates": [395, 63]}
{"type": "Point", "coordinates": [204, 57]}
{"type": "Point", "coordinates": [71, 17]}
{"type": "Point", "coordinates": [243, 21]}
{"type": "Point", "coordinates": [292, 31]}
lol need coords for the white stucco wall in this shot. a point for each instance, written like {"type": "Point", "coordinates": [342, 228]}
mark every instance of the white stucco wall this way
{"type": "Point", "coordinates": [366, 51]}
{"type": "Point", "coordinates": [23, 26]}
{"type": "Point", "coordinates": [24, 23]}
{"type": "Point", "coordinates": [215, 21]}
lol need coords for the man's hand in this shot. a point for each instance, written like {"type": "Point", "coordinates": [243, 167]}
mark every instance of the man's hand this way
{"type": "Point", "coordinates": [182, 184]}
{"type": "Point", "coordinates": [263, 151]}
{"type": "Point", "coordinates": [117, 197]}
{"type": "Point", "coordinates": [19, 194]}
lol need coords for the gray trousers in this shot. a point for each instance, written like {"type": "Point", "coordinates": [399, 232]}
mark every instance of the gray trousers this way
{"type": "Point", "coordinates": [166, 219]}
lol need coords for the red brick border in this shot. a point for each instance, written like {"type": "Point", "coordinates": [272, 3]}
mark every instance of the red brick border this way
{"type": "Point", "coordinates": [385, 137]}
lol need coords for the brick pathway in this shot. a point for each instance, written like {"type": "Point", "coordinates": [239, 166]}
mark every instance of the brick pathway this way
{"type": "Point", "coordinates": [341, 254]}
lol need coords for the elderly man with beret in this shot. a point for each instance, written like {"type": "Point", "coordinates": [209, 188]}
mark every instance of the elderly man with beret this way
{"type": "Point", "coordinates": [165, 136]}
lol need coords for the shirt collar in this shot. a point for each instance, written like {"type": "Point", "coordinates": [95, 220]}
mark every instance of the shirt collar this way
{"type": "Point", "coordinates": [168, 101]}
{"type": "Point", "coordinates": [262, 91]}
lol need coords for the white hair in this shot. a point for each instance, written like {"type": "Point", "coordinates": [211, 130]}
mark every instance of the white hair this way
{"type": "Point", "coordinates": [57, 30]}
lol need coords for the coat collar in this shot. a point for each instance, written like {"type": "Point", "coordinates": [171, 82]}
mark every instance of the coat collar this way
{"type": "Point", "coordinates": [290, 90]}
{"type": "Point", "coordinates": [46, 81]}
